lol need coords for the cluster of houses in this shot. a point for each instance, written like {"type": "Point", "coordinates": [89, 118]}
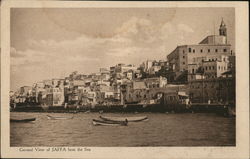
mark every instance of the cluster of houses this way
{"type": "Point", "coordinates": [204, 72]}
{"type": "Point", "coordinates": [102, 88]}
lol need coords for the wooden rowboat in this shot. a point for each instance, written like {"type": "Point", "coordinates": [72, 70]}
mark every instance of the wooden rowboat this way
{"type": "Point", "coordinates": [109, 123]}
{"type": "Point", "coordinates": [129, 119]}
{"type": "Point", "coordinates": [58, 118]}
{"type": "Point", "coordinates": [23, 120]}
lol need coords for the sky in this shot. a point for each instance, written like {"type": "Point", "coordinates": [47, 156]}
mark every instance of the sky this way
{"type": "Point", "coordinates": [53, 42]}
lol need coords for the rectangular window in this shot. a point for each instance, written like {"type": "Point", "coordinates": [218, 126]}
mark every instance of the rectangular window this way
{"type": "Point", "coordinates": [189, 49]}
{"type": "Point", "coordinates": [224, 50]}
{"type": "Point", "coordinates": [193, 50]}
{"type": "Point", "coordinates": [216, 50]}
{"type": "Point", "coordinates": [201, 50]}
{"type": "Point", "coordinates": [184, 57]}
{"type": "Point", "coordinates": [208, 50]}
{"type": "Point", "coordinates": [183, 63]}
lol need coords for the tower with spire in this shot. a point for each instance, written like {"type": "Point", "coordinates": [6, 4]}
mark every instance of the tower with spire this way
{"type": "Point", "coordinates": [223, 29]}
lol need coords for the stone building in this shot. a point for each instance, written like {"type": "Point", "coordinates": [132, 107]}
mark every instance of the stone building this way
{"type": "Point", "coordinates": [25, 91]}
{"type": "Point", "coordinates": [214, 69]}
{"type": "Point", "coordinates": [145, 91]}
{"type": "Point", "coordinates": [37, 89]}
{"type": "Point", "coordinates": [55, 97]}
{"type": "Point", "coordinates": [215, 90]}
{"type": "Point", "coordinates": [146, 65]}
{"type": "Point", "coordinates": [189, 57]}
{"type": "Point", "coordinates": [153, 66]}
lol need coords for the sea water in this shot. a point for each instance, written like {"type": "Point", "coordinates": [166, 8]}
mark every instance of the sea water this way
{"type": "Point", "coordinates": [162, 129]}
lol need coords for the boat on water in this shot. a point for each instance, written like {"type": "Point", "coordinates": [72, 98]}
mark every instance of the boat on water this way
{"type": "Point", "coordinates": [88, 111]}
{"type": "Point", "coordinates": [23, 120]}
{"type": "Point", "coordinates": [109, 123]}
{"type": "Point", "coordinates": [58, 117]}
{"type": "Point", "coordinates": [129, 119]}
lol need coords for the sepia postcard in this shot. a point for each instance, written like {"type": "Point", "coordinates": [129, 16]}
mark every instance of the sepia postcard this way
{"type": "Point", "coordinates": [115, 79]}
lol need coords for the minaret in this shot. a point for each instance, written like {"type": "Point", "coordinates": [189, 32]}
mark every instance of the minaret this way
{"type": "Point", "coordinates": [223, 29]}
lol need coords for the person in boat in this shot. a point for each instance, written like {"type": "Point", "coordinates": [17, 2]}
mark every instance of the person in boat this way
{"type": "Point", "coordinates": [126, 121]}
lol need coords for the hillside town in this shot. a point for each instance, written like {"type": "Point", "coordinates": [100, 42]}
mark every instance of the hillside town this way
{"type": "Point", "coordinates": [197, 73]}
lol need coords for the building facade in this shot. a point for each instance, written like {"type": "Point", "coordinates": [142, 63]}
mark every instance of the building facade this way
{"type": "Point", "coordinates": [188, 58]}
{"type": "Point", "coordinates": [215, 90]}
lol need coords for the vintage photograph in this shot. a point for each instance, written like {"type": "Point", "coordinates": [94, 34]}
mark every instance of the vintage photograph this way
{"type": "Point", "coordinates": [122, 77]}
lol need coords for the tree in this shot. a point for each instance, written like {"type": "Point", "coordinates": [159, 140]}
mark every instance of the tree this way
{"type": "Point", "coordinates": [164, 72]}
{"type": "Point", "coordinates": [143, 73]}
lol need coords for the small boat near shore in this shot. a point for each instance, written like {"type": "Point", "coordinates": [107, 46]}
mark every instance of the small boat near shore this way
{"type": "Point", "coordinates": [58, 117]}
{"type": "Point", "coordinates": [129, 119]}
{"type": "Point", "coordinates": [109, 123]}
{"type": "Point", "coordinates": [23, 120]}
{"type": "Point", "coordinates": [88, 111]}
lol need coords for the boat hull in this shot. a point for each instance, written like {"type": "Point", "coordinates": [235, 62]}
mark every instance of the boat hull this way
{"type": "Point", "coordinates": [22, 120]}
{"type": "Point", "coordinates": [129, 119]}
{"type": "Point", "coordinates": [109, 123]}
{"type": "Point", "coordinates": [58, 118]}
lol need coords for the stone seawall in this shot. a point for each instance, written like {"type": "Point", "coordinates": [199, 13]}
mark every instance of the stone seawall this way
{"type": "Point", "coordinates": [157, 108]}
